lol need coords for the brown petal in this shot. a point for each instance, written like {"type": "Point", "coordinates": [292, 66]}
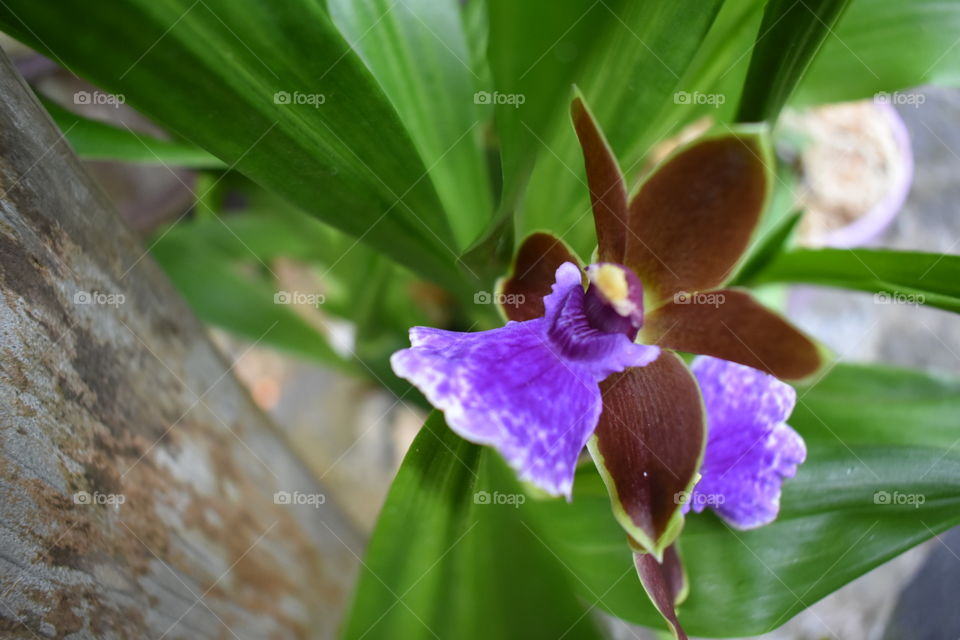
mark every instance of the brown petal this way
{"type": "Point", "coordinates": [660, 583]}
{"type": "Point", "coordinates": [534, 269]}
{"type": "Point", "coordinates": [648, 445]}
{"type": "Point", "coordinates": [694, 216]}
{"type": "Point", "coordinates": [608, 193]}
{"type": "Point", "coordinates": [730, 324]}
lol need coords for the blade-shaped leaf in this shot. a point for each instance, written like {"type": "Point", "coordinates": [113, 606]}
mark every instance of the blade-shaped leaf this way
{"type": "Point", "coordinates": [790, 35]}
{"type": "Point", "coordinates": [772, 244]}
{"type": "Point", "coordinates": [536, 50]}
{"type": "Point", "coordinates": [452, 556]}
{"type": "Point", "coordinates": [222, 297]}
{"type": "Point", "coordinates": [907, 277]}
{"type": "Point", "coordinates": [864, 404]}
{"type": "Point", "coordinates": [305, 119]}
{"type": "Point", "coordinates": [95, 140]}
{"type": "Point", "coordinates": [885, 45]}
{"type": "Point", "coordinates": [418, 52]}
{"type": "Point", "coordinates": [632, 89]}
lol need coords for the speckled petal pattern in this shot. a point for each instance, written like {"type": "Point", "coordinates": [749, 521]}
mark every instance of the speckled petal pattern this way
{"type": "Point", "coordinates": [750, 448]}
{"type": "Point", "coordinates": [529, 389]}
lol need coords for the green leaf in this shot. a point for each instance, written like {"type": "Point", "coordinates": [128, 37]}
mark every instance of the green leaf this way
{"type": "Point", "coordinates": [885, 45]}
{"type": "Point", "coordinates": [273, 90]}
{"type": "Point", "coordinates": [536, 50]}
{"type": "Point", "coordinates": [882, 475]}
{"type": "Point", "coordinates": [220, 295]}
{"type": "Point", "coordinates": [766, 248]}
{"type": "Point", "coordinates": [631, 89]}
{"type": "Point", "coordinates": [453, 557]}
{"type": "Point", "coordinates": [95, 140]}
{"type": "Point", "coordinates": [418, 52]}
{"type": "Point", "coordinates": [790, 35]}
{"type": "Point", "coordinates": [897, 277]}
{"type": "Point", "coordinates": [874, 404]}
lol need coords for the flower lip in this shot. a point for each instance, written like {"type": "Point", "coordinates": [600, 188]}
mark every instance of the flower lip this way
{"type": "Point", "coordinates": [614, 298]}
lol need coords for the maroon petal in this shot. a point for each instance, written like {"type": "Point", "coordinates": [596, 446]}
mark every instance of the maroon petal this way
{"type": "Point", "coordinates": [660, 581]}
{"type": "Point", "coordinates": [648, 445]}
{"type": "Point", "coordinates": [608, 192]}
{"type": "Point", "coordinates": [730, 324]}
{"type": "Point", "coordinates": [538, 258]}
{"type": "Point", "coordinates": [693, 218]}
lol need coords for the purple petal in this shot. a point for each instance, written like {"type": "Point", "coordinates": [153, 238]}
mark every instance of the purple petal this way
{"type": "Point", "coordinates": [529, 389]}
{"type": "Point", "coordinates": [750, 448]}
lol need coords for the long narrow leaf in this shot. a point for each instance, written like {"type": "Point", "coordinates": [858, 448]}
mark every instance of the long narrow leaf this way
{"type": "Point", "coordinates": [95, 140]}
{"type": "Point", "coordinates": [790, 35]}
{"type": "Point", "coordinates": [418, 52]}
{"type": "Point", "coordinates": [894, 277]}
{"type": "Point", "coordinates": [884, 46]}
{"type": "Point", "coordinates": [305, 119]}
{"type": "Point", "coordinates": [453, 557]}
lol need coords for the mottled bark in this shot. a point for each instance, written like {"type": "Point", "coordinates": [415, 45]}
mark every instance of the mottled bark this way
{"type": "Point", "coordinates": [137, 479]}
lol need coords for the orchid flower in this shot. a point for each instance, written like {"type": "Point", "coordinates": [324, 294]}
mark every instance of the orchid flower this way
{"type": "Point", "coordinates": [598, 365]}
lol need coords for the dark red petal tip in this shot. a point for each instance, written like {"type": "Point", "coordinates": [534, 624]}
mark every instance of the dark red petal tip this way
{"type": "Point", "coordinates": [608, 192]}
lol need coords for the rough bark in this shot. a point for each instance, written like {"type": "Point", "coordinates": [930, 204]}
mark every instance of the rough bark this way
{"type": "Point", "coordinates": [104, 399]}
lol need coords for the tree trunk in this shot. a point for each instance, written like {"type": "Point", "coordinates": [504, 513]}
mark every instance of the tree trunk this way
{"type": "Point", "coordinates": [137, 479]}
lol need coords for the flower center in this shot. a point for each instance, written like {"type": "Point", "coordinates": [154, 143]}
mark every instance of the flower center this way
{"type": "Point", "coordinates": [614, 300]}
{"type": "Point", "coordinates": [611, 281]}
